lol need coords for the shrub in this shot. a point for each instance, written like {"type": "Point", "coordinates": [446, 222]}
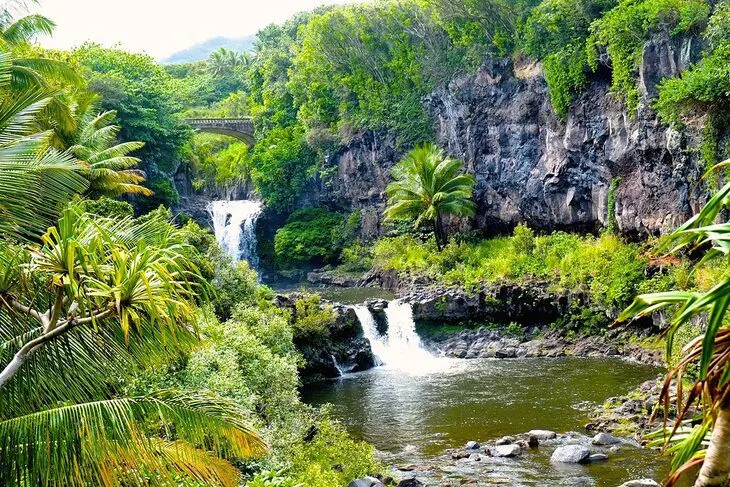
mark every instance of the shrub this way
{"type": "Point", "coordinates": [357, 258]}
{"type": "Point", "coordinates": [623, 31]}
{"type": "Point", "coordinates": [523, 239]}
{"type": "Point", "coordinates": [605, 267]}
{"type": "Point", "coordinates": [109, 208]}
{"type": "Point", "coordinates": [309, 236]}
{"type": "Point", "coordinates": [312, 319]}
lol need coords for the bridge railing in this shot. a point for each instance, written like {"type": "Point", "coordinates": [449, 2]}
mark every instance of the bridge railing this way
{"type": "Point", "coordinates": [217, 121]}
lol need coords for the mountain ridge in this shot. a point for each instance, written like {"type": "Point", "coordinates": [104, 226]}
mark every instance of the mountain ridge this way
{"type": "Point", "coordinates": [202, 50]}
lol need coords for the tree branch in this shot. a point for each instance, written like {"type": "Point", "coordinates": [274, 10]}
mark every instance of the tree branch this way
{"type": "Point", "coordinates": [22, 355]}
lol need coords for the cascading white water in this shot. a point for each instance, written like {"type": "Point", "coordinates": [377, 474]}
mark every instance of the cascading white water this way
{"type": "Point", "coordinates": [234, 224]}
{"type": "Point", "coordinates": [401, 347]}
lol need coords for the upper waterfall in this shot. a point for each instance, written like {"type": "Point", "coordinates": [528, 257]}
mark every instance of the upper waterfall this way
{"type": "Point", "coordinates": [234, 224]}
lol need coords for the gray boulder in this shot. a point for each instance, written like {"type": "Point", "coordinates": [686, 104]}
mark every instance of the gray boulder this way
{"type": "Point", "coordinates": [641, 483]}
{"type": "Point", "coordinates": [598, 457]}
{"type": "Point", "coordinates": [410, 483]}
{"type": "Point", "coordinates": [512, 450]}
{"type": "Point", "coordinates": [605, 439]}
{"type": "Point", "coordinates": [366, 482]}
{"type": "Point", "coordinates": [542, 434]}
{"type": "Point", "coordinates": [570, 454]}
{"type": "Point", "coordinates": [472, 445]}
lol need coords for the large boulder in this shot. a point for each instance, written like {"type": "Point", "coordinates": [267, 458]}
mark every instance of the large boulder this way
{"type": "Point", "coordinates": [366, 482]}
{"type": "Point", "coordinates": [410, 483]}
{"type": "Point", "coordinates": [570, 454]}
{"type": "Point", "coordinates": [508, 451]}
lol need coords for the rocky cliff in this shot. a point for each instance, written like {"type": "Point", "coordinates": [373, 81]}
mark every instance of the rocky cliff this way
{"type": "Point", "coordinates": [530, 166]}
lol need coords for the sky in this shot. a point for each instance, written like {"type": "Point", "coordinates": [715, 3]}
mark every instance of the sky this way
{"type": "Point", "coordinates": [162, 27]}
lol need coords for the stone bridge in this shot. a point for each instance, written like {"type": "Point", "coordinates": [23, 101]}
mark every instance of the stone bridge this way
{"type": "Point", "coordinates": [240, 128]}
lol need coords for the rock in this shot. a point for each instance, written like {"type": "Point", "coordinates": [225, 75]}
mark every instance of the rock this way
{"type": "Point", "coordinates": [458, 455]}
{"type": "Point", "coordinates": [410, 483]}
{"type": "Point", "coordinates": [532, 441]}
{"type": "Point", "coordinates": [641, 483]}
{"type": "Point", "coordinates": [472, 445]}
{"type": "Point", "coordinates": [406, 468]}
{"type": "Point", "coordinates": [598, 457]}
{"type": "Point", "coordinates": [603, 439]}
{"type": "Point", "coordinates": [366, 482]}
{"type": "Point", "coordinates": [570, 454]}
{"type": "Point", "coordinates": [505, 440]}
{"type": "Point", "coordinates": [542, 435]}
{"type": "Point", "coordinates": [505, 451]}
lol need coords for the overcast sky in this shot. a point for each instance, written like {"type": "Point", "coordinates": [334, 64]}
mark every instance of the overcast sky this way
{"type": "Point", "coordinates": [162, 27]}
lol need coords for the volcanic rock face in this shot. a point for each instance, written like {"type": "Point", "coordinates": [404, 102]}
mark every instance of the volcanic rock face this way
{"type": "Point", "coordinates": [532, 167]}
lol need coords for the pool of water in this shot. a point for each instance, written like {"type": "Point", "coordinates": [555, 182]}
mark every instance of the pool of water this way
{"type": "Point", "coordinates": [344, 295]}
{"type": "Point", "coordinates": [415, 416]}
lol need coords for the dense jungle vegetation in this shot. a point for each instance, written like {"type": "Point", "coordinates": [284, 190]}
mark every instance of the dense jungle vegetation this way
{"type": "Point", "coordinates": [135, 352]}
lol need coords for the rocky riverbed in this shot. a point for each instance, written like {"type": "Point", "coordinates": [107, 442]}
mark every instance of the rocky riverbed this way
{"type": "Point", "coordinates": [494, 462]}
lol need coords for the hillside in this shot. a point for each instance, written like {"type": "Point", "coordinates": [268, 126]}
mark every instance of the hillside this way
{"type": "Point", "coordinates": [202, 50]}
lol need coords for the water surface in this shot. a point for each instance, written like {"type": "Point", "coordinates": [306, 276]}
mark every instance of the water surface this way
{"type": "Point", "coordinates": [414, 417]}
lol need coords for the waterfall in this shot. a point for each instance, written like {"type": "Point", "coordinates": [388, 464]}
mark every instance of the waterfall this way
{"type": "Point", "coordinates": [234, 224]}
{"type": "Point", "coordinates": [401, 347]}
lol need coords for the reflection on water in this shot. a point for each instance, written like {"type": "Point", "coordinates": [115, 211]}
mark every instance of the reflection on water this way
{"type": "Point", "coordinates": [343, 295]}
{"type": "Point", "coordinates": [414, 417]}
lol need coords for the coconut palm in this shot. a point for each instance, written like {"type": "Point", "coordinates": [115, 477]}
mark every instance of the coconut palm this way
{"type": "Point", "coordinates": [224, 61]}
{"type": "Point", "coordinates": [427, 186]}
{"type": "Point", "coordinates": [35, 180]}
{"type": "Point", "coordinates": [98, 298]}
{"type": "Point", "coordinates": [706, 443]}
{"type": "Point", "coordinates": [109, 169]}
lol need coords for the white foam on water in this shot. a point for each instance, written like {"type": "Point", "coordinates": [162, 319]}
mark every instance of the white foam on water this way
{"type": "Point", "coordinates": [400, 348]}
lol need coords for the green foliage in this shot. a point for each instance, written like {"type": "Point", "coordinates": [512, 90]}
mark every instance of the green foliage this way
{"type": "Point", "coordinates": [604, 267]}
{"type": "Point", "coordinates": [623, 31]}
{"type": "Point", "coordinates": [523, 239]}
{"type": "Point", "coordinates": [311, 319]}
{"type": "Point", "coordinates": [363, 66]}
{"type": "Point", "coordinates": [555, 33]}
{"type": "Point", "coordinates": [332, 457]}
{"type": "Point", "coordinates": [357, 258]}
{"type": "Point", "coordinates": [164, 193]}
{"type": "Point", "coordinates": [310, 235]}
{"type": "Point", "coordinates": [282, 165]}
{"type": "Point", "coordinates": [702, 88]}
{"type": "Point", "coordinates": [216, 162]}
{"type": "Point", "coordinates": [108, 208]}
{"type": "Point", "coordinates": [146, 99]}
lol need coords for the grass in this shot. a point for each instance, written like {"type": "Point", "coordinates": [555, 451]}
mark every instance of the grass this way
{"type": "Point", "coordinates": [605, 267]}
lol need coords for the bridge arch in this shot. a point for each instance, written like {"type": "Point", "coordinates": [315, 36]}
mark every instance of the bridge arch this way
{"type": "Point", "coordinates": [240, 128]}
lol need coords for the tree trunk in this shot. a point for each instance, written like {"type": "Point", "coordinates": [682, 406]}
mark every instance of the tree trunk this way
{"type": "Point", "coordinates": [438, 230]}
{"type": "Point", "coordinates": [716, 467]}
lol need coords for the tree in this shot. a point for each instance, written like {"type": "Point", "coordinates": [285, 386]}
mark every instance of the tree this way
{"type": "Point", "coordinates": [109, 170]}
{"type": "Point", "coordinates": [427, 186]}
{"type": "Point", "coordinates": [99, 298]}
{"type": "Point", "coordinates": [34, 178]}
{"type": "Point", "coordinates": [707, 443]}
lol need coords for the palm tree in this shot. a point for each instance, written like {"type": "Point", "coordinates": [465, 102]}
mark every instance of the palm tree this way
{"type": "Point", "coordinates": [707, 443]}
{"type": "Point", "coordinates": [224, 61]}
{"type": "Point", "coordinates": [427, 186]}
{"type": "Point", "coordinates": [101, 297]}
{"type": "Point", "coordinates": [35, 180]}
{"type": "Point", "coordinates": [109, 169]}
